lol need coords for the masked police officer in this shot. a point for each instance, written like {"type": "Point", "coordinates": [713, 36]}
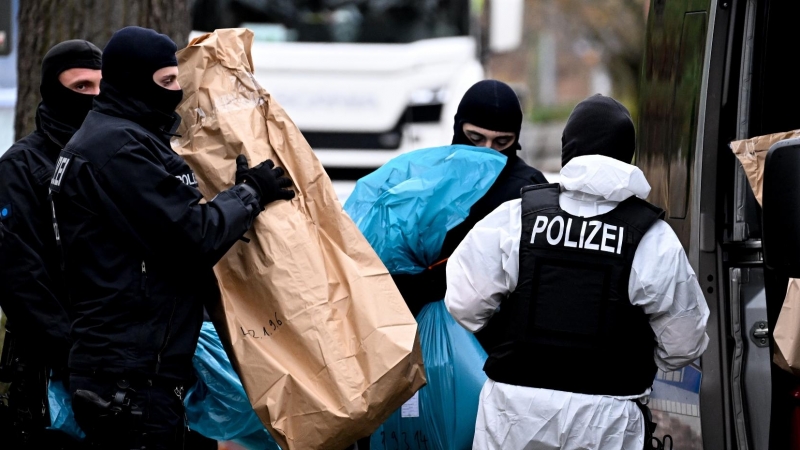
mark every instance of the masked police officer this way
{"type": "Point", "coordinates": [489, 115]}
{"type": "Point", "coordinates": [38, 323]}
{"type": "Point", "coordinates": [139, 246]}
{"type": "Point", "coordinates": [594, 293]}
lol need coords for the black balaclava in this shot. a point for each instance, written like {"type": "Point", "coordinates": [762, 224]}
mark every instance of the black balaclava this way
{"type": "Point", "coordinates": [492, 105]}
{"type": "Point", "coordinates": [129, 60]}
{"type": "Point", "coordinates": [599, 125]}
{"type": "Point", "coordinates": [61, 103]}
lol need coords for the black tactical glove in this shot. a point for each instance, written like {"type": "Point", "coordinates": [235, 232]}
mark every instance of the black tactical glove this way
{"type": "Point", "coordinates": [267, 180]}
{"type": "Point", "coordinates": [241, 168]}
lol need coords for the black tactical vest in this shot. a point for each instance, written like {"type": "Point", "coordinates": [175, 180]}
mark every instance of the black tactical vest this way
{"type": "Point", "coordinates": [569, 325]}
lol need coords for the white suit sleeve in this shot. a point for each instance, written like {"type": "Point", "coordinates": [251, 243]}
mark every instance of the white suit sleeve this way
{"type": "Point", "coordinates": [663, 283]}
{"type": "Point", "coordinates": [484, 268]}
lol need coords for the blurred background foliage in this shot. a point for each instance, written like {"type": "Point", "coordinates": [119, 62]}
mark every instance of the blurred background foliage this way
{"type": "Point", "coordinates": [573, 49]}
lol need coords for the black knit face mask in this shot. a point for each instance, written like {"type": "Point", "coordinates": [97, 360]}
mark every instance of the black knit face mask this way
{"type": "Point", "coordinates": [69, 107]}
{"type": "Point", "coordinates": [491, 105]}
{"type": "Point", "coordinates": [131, 58]}
{"type": "Point", "coordinates": [66, 105]}
{"type": "Point", "coordinates": [171, 99]}
{"type": "Point", "coordinates": [160, 98]}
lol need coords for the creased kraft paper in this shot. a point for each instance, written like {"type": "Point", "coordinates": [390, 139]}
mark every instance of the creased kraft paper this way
{"type": "Point", "coordinates": [752, 153]}
{"type": "Point", "coordinates": [787, 331]}
{"type": "Point", "coordinates": [319, 334]}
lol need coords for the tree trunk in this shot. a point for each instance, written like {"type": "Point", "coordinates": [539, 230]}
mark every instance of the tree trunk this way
{"type": "Point", "coordinates": [45, 23]}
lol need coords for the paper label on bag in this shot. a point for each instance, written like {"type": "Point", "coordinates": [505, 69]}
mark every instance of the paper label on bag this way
{"type": "Point", "coordinates": [411, 407]}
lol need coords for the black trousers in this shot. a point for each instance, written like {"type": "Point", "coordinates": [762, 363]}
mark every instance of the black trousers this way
{"type": "Point", "coordinates": [152, 415]}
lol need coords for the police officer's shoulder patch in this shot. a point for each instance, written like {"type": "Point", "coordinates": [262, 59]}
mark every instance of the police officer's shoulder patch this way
{"type": "Point", "coordinates": [5, 211]}
{"type": "Point", "coordinates": [61, 167]}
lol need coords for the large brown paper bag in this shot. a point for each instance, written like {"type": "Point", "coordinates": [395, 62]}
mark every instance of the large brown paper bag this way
{"type": "Point", "coordinates": [752, 153]}
{"type": "Point", "coordinates": [319, 334]}
{"type": "Point", "coordinates": [787, 331]}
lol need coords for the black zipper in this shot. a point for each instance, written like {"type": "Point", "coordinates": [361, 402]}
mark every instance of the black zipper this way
{"type": "Point", "coordinates": [144, 280]}
{"type": "Point", "coordinates": [166, 338]}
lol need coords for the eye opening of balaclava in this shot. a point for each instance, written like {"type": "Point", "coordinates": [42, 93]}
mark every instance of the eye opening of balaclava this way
{"type": "Point", "coordinates": [131, 58]}
{"type": "Point", "coordinates": [492, 105]}
{"type": "Point", "coordinates": [66, 105]}
{"type": "Point", "coordinates": [599, 125]}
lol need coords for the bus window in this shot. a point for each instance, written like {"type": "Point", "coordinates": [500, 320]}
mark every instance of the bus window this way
{"type": "Point", "coordinates": [362, 21]}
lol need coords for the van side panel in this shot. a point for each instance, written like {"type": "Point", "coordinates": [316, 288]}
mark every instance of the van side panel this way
{"type": "Point", "coordinates": [678, 139]}
{"type": "Point", "coordinates": [670, 93]}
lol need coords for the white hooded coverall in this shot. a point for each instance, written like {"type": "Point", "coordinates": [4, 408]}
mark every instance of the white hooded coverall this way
{"type": "Point", "coordinates": [484, 270]}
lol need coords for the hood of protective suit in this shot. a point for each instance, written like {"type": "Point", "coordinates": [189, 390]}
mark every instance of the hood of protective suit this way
{"type": "Point", "coordinates": [598, 125]}
{"type": "Point", "coordinates": [597, 177]}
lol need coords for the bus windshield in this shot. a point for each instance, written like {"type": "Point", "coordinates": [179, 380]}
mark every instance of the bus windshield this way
{"type": "Point", "coordinates": [362, 21]}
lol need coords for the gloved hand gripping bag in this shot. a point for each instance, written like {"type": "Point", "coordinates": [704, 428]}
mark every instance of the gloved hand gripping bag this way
{"type": "Point", "coordinates": [405, 209]}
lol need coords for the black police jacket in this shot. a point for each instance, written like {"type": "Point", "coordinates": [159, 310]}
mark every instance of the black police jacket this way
{"type": "Point", "coordinates": [36, 305]}
{"type": "Point", "coordinates": [138, 243]}
{"type": "Point", "coordinates": [37, 320]}
{"type": "Point", "coordinates": [429, 286]}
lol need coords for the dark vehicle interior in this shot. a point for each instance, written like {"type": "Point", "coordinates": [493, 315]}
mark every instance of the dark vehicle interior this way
{"type": "Point", "coordinates": [746, 90]}
{"type": "Point", "coordinates": [773, 90]}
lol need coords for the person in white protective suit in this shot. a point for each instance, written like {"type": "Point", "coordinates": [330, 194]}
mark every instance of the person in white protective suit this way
{"type": "Point", "coordinates": [592, 289]}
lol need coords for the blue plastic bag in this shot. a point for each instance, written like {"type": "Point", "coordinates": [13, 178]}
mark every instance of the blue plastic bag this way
{"type": "Point", "coordinates": [448, 404]}
{"type": "Point", "coordinates": [407, 206]}
{"type": "Point", "coordinates": [217, 405]}
{"type": "Point", "coordinates": [61, 416]}
{"type": "Point", "coordinates": [405, 209]}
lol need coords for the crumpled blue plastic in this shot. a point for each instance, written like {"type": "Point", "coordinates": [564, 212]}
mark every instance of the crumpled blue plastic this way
{"type": "Point", "coordinates": [405, 209]}
{"type": "Point", "coordinates": [216, 406]}
{"type": "Point", "coordinates": [448, 404]}
{"type": "Point", "coordinates": [61, 416]}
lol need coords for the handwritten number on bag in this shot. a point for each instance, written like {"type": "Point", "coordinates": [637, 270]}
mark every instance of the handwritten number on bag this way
{"type": "Point", "coordinates": [405, 441]}
{"type": "Point", "coordinates": [251, 333]}
{"type": "Point", "coordinates": [267, 331]}
{"type": "Point", "coordinates": [421, 440]}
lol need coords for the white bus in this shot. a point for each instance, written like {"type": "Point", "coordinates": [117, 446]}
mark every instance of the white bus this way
{"type": "Point", "coordinates": [366, 80]}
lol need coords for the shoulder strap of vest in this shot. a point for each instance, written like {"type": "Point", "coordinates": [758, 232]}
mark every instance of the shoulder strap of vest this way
{"type": "Point", "coordinates": [540, 197]}
{"type": "Point", "coordinates": [637, 213]}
